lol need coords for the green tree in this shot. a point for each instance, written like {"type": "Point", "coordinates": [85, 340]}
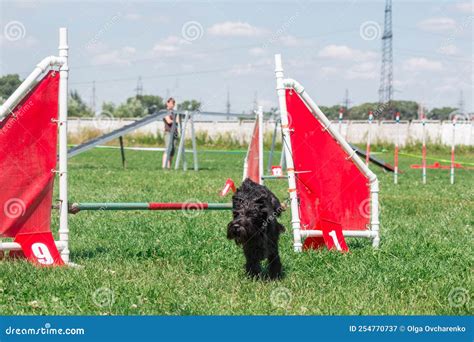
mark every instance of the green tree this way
{"type": "Point", "coordinates": [108, 107]}
{"type": "Point", "coordinates": [77, 107]}
{"type": "Point", "coordinates": [441, 113]}
{"type": "Point", "coordinates": [408, 110]}
{"type": "Point", "coordinates": [132, 108]}
{"type": "Point", "coordinates": [151, 102]}
{"type": "Point", "coordinates": [189, 105]}
{"type": "Point", "coordinates": [331, 112]}
{"type": "Point", "coordinates": [361, 112]}
{"type": "Point", "coordinates": [8, 84]}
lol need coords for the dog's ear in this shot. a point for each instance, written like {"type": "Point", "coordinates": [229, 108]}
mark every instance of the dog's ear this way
{"type": "Point", "coordinates": [276, 205]}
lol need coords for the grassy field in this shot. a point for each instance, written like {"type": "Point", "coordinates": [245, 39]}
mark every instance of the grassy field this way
{"type": "Point", "coordinates": [174, 263]}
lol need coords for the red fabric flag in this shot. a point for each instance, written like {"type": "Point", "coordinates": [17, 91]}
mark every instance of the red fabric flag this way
{"type": "Point", "coordinates": [329, 184]}
{"type": "Point", "coordinates": [28, 143]}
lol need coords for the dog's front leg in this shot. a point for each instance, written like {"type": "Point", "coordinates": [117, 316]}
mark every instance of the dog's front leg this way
{"type": "Point", "coordinates": [253, 258]}
{"type": "Point", "coordinates": [274, 263]}
{"type": "Point", "coordinates": [274, 266]}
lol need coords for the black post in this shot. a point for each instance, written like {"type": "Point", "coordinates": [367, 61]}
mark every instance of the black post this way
{"type": "Point", "coordinates": [122, 152]}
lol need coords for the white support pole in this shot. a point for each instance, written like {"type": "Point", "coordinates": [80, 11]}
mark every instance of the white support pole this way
{"type": "Point", "coordinates": [260, 143]}
{"type": "Point", "coordinates": [63, 93]}
{"type": "Point", "coordinates": [423, 151]}
{"type": "Point", "coordinates": [369, 136]}
{"type": "Point", "coordinates": [373, 181]}
{"type": "Point", "coordinates": [193, 141]}
{"type": "Point", "coordinates": [246, 167]}
{"type": "Point", "coordinates": [295, 218]}
{"type": "Point", "coordinates": [282, 157]}
{"type": "Point", "coordinates": [181, 150]}
{"type": "Point", "coordinates": [397, 144]}
{"type": "Point", "coordinates": [469, 122]}
{"type": "Point", "coordinates": [183, 134]}
{"type": "Point", "coordinates": [453, 144]}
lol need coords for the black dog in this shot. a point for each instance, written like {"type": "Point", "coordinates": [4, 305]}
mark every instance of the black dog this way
{"type": "Point", "coordinates": [255, 227]}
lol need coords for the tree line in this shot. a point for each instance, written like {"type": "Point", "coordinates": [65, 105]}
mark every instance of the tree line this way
{"type": "Point", "coordinates": [142, 105]}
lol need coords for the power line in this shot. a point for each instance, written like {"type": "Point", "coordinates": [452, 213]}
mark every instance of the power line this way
{"type": "Point", "coordinates": [139, 88]}
{"type": "Point", "coordinates": [93, 98]}
{"type": "Point", "coordinates": [255, 101]}
{"type": "Point", "coordinates": [227, 105]}
{"type": "Point", "coordinates": [346, 102]}
{"type": "Point", "coordinates": [210, 71]}
{"type": "Point", "coordinates": [461, 103]}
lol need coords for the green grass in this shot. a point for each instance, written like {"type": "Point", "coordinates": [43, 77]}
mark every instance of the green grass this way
{"type": "Point", "coordinates": [168, 263]}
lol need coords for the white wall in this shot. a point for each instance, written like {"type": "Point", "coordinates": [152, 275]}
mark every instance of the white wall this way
{"type": "Point", "coordinates": [354, 131]}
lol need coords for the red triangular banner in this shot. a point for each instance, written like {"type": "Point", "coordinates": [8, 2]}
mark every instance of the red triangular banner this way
{"type": "Point", "coordinates": [328, 183]}
{"type": "Point", "coordinates": [253, 156]}
{"type": "Point", "coordinates": [40, 248]}
{"type": "Point", "coordinates": [28, 143]}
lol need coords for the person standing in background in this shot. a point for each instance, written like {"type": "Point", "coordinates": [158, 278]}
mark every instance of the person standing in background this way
{"type": "Point", "coordinates": [170, 138]}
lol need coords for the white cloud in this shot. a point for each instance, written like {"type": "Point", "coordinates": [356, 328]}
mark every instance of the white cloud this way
{"type": "Point", "coordinates": [449, 50]}
{"type": "Point", "coordinates": [132, 16]}
{"type": "Point", "coordinates": [328, 71]}
{"type": "Point", "coordinates": [292, 41]}
{"type": "Point", "coordinates": [250, 68]}
{"type": "Point", "coordinates": [242, 69]}
{"type": "Point", "coordinates": [286, 40]}
{"type": "Point", "coordinates": [235, 29]}
{"type": "Point", "coordinates": [26, 4]}
{"type": "Point", "coordinates": [344, 52]}
{"type": "Point", "coordinates": [466, 7]}
{"type": "Point", "coordinates": [267, 104]}
{"type": "Point", "coordinates": [446, 88]}
{"type": "Point", "coordinates": [362, 71]}
{"type": "Point", "coordinates": [120, 57]}
{"type": "Point", "coordinates": [96, 48]}
{"type": "Point", "coordinates": [422, 64]}
{"type": "Point", "coordinates": [437, 24]}
{"type": "Point", "coordinates": [257, 51]}
{"type": "Point", "coordinates": [399, 84]}
{"type": "Point", "coordinates": [27, 42]}
{"type": "Point", "coordinates": [169, 45]}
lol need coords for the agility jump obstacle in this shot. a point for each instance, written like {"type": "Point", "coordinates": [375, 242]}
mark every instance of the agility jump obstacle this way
{"type": "Point", "coordinates": [33, 114]}
{"type": "Point", "coordinates": [28, 141]}
{"type": "Point", "coordinates": [332, 191]}
{"type": "Point", "coordinates": [330, 197]}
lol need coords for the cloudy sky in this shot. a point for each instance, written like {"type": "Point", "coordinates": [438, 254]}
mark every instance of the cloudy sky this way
{"type": "Point", "coordinates": [201, 49]}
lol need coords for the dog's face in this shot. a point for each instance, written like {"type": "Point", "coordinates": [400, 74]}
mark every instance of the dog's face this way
{"type": "Point", "coordinates": [247, 220]}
